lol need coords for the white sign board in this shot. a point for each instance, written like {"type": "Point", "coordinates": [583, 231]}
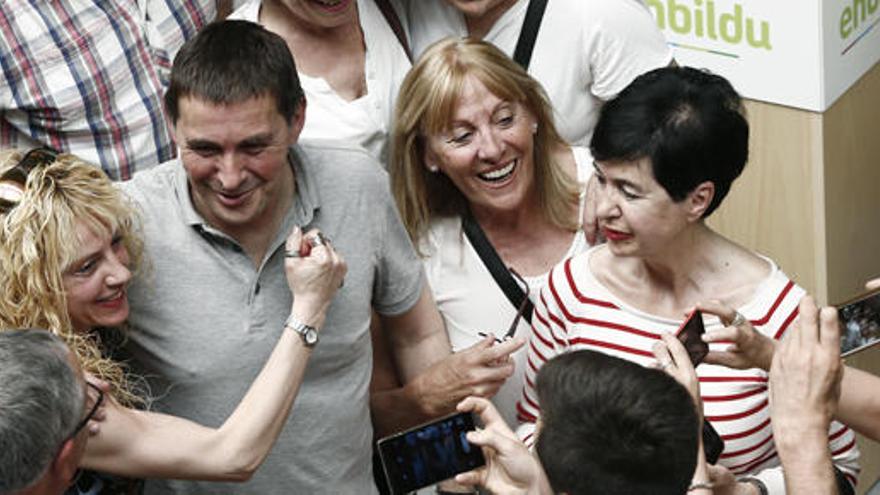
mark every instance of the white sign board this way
{"type": "Point", "coordinates": [800, 53]}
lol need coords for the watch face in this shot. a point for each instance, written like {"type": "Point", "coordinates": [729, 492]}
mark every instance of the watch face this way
{"type": "Point", "coordinates": [311, 337]}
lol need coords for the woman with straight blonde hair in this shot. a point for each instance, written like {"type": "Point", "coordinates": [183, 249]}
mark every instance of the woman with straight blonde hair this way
{"type": "Point", "coordinates": [475, 149]}
{"type": "Point", "coordinates": [68, 245]}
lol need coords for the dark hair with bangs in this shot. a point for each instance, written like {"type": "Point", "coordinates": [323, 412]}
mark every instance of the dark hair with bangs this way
{"type": "Point", "coordinates": [688, 122]}
{"type": "Point", "coordinates": [231, 62]}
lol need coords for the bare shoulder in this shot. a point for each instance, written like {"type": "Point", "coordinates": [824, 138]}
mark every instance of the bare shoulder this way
{"type": "Point", "coordinates": [741, 271]}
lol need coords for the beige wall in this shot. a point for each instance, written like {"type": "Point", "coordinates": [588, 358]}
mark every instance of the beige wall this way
{"type": "Point", "coordinates": [852, 187]}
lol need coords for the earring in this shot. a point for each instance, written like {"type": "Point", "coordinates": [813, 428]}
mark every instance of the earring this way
{"type": "Point", "coordinates": [534, 128]}
{"type": "Point", "coordinates": [433, 169]}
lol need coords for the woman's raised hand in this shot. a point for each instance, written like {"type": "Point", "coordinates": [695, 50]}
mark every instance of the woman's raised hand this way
{"type": "Point", "coordinates": [748, 348]}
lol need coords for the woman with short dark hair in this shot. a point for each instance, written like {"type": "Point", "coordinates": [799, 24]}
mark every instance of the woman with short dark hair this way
{"type": "Point", "coordinates": [666, 152]}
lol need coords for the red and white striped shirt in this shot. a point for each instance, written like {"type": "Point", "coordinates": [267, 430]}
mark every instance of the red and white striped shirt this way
{"type": "Point", "coordinates": [575, 311]}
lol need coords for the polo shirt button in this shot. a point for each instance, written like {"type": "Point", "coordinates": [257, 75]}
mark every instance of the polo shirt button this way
{"type": "Point", "coordinates": [257, 289]}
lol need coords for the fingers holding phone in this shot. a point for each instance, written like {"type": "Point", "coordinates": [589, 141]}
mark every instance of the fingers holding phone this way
{"type": "Point", "coordinates": [749, 348]}
{"type": "Point", "coordinates": [510, 467]}
{"type": "Point", "coordinates": [673, 358]}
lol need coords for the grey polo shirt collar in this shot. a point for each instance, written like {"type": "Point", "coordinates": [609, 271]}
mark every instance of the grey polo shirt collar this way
{"type": "Point", "coordinates": [306, 201]}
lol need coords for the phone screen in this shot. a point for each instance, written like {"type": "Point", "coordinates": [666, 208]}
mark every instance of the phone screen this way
{"type": "Point", "coordinates": [429, 453]}
{"type": "Point", "coordinates": [690, 334]}
{"type": "Point", "coordinates": [859, 322]}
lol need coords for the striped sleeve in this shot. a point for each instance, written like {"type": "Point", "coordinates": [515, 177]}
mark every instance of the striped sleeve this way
{"type": "Point", "coordinates": [546, 341]}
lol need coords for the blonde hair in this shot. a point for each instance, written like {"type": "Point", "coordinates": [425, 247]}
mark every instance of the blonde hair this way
{"type": "Point", "coordinates": [39, 242]}
{"type": "Point", "coordinates": [425, 106]}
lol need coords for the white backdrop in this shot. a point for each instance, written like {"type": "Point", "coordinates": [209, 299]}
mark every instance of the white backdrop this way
{"type": "Point", "coordinates": [800, 53]}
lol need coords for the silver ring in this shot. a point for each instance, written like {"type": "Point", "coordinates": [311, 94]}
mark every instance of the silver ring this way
{"type": "Point", "coordinates": [292, 253]}
{"type": "Point", "coordinates": [664, 364]}
{"type": "Point", "coordinates": [318, 240]}
{"type": "Point", "coordinates": [738, 319]}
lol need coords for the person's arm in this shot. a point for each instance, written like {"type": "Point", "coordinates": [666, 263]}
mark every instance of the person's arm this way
{"type": "Point", "coordinates": [417, 338]}
{"type": "Point", "coordinates": [673, 359]}
{"type": "Point", "coordinates": [146, 444]}
{"type": "Point", "coordinates": [859, 406]}
{"type": "Point", "coordinates": [804, 387]}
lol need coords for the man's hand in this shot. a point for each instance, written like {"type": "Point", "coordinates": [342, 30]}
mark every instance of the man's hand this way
{"type": "Point", "coordinates": [315, 271]}
{"type": "Point", "coordinates": [804, 389]}
{"type": "Point", "coordinates": [100, 415]}
{"type": "Point", "coordinates": [479, 370]}
{"type": "Point", "coordinates": [510, 467]}
{"type": "Point", "coordinates": [749, 348]}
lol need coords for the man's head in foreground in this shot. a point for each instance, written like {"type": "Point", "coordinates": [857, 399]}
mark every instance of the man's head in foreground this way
{"type": "Point", "coordinates": [43, 408]}
{"type": "Point", "coordinates": [613, 427]}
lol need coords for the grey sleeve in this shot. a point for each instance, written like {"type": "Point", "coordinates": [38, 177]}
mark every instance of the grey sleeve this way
{"type": "Point", "coordinates": [399, 273]}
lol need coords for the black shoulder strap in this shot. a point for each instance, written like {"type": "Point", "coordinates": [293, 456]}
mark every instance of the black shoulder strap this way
{"type": "Point", "coordinates": [393, 20]}
{"type": "Point", "coordinates": [529, 32]}
{"type": "Point", "coordinates": [496, 267]}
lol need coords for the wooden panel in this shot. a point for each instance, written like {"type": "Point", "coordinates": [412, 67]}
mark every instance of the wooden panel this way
{"type": "Point", "coordinates": [773, 207]}
{"type": "Point", "coordinates": [870, 460]}
{"type": "Point", "coordinates": [852, 187]}
{"type": "Point", "coordinates": [852, 179]}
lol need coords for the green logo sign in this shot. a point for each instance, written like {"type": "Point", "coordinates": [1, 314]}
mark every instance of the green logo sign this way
{"type": "Point", "coordinates": [703, 20]}
{"type": "Point", "coordinates": [856, 14]}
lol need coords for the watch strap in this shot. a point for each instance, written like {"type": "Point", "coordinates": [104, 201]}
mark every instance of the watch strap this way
{"type": "Point", "coordinates": [757, 483]}
{"type": "Point", "coordinates": [303, 330]}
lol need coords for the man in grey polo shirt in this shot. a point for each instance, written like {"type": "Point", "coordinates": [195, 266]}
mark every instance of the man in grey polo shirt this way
{"type": "Point", "coordinates": [213, 301]}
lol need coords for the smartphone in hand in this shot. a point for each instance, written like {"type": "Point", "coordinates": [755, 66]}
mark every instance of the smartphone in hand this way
{"type": "Point", "coordinates": [429, 453]}
{"type": "Point", "coordinates": [690, 333]}
{"type": "Point", "coordinates": [859, 322]}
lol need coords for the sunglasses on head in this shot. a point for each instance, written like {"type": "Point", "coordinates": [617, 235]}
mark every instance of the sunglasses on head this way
{"type": "Point", "coordinates": [12, 182]}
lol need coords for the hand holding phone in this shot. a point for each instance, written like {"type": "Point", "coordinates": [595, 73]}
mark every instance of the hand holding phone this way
{"type": "Point", "coordinates": [690, 333]}
{"type": "Point", "coordinates": [429, 453]}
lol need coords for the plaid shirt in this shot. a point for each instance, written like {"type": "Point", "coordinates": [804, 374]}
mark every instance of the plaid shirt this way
{"type": "Point", "coordinates": [88, 76]}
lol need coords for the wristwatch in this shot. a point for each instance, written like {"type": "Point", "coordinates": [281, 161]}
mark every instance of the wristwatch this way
{"type": "Point", "coordinates": [762, 488]}
{"type": "Point", "coordinates": [308, 333]}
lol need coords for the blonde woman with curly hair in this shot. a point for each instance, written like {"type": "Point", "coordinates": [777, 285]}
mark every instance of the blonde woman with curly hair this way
{"type": "Point", "coordinates": [68, 247]}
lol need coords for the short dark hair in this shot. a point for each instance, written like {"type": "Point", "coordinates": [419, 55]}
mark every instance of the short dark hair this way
{"type": "Point", "coordinates": [612, 427]}
{"type": "Point", "coordinates": [690, 123]}
{"type": "Point", "coordinates": [231, 62]}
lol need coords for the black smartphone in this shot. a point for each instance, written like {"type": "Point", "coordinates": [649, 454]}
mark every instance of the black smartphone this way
{"type": "Point", "coordinates": [690, 333]}
{"type": "Point", "coordinates": [713, 445]}
{"type": "Point", "coordinates": [859, 322]}
{"type": "Point", "coordinates": [429, 453]}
